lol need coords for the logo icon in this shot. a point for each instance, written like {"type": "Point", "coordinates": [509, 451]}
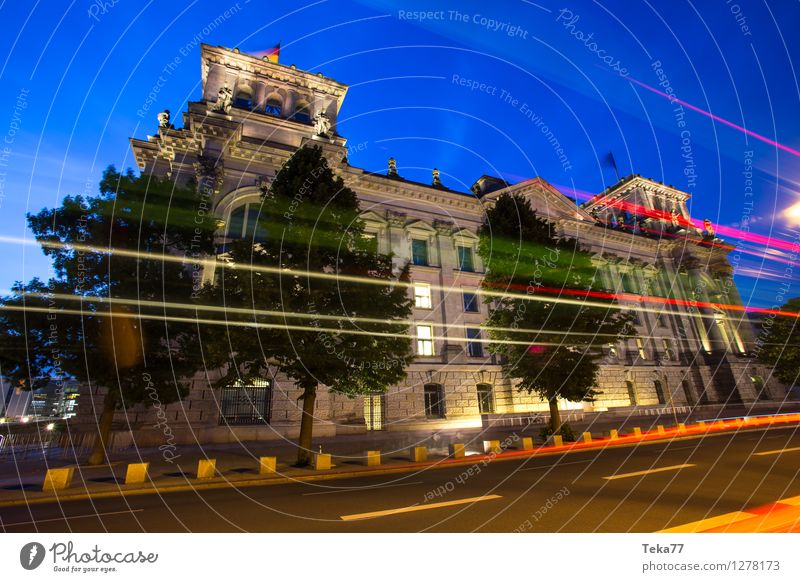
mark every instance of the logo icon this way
{"type": "Point", "coordinates": [31, 555]}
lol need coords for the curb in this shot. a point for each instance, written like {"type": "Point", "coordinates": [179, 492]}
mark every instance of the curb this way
{"type": "Point", "coordinates": [653, 437]}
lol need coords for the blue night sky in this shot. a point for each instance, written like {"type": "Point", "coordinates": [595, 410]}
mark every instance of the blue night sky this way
{"type": "Point", "coordinates": [460, 91]}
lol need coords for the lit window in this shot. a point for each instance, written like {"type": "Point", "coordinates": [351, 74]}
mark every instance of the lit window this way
{"type": "Point", "coordinates": [434, 401]}
{"type": "Point", "coordinates": [424, 340]}
{"type": "Point", "coordinates": [422, 295]}
{"type": "Point", "coordinates": [640, 347]}
{"type": "Point", "coordinates": [419, 251]}
{"type": "Point", "coordinates": [465, 262]}
{"type": "Point", "coordinates": [471, 304]}
{"type": "Point", "coordinates": [668, 353]}
{"type": "Point", "coordinates": [485, 399]}
{"type": "Point", "coordinates": [474, 345]}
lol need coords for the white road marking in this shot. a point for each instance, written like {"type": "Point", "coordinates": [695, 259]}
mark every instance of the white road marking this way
{"type": "Point", "coordinates": [649, 471]}
{"type": "Point", "coordinates": [69, 517]}
{"type": "Point", "coordinates": [776, 452]}
{"type": "Point", "coordinates": [362, 489]}
{"type": "Point", "coordinates": [385, 512]}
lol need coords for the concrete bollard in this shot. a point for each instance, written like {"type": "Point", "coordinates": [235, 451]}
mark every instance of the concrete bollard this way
{"type": "Point", "coordinates": [613, 434]}
{"type": "Point", "coordinates": [527, 443]}
{"type": "Point", "coordinates": [492, 447]}
{"type": "Point", "coordinates": [587, 437]}
{"type": "Point", "coordinates": [136, 473]}
{"type": "Point", "coordinates": [556, 440]}
{"type": "Point", "coordinates": [322, 461]}
{"type": "Point", "coordinates": [637, 432]}
{"type": "Point", "coordinates": [206, 468]}
{"type": "Point", "coordinates": [660, 429]}
{"type": "Point", "coordinates": [419, 454]}
{"type": "Point", "coordinates": [57, 479]}
{"type": "Point", "coordinates": [457, 451]}
{"type": "Point", "coordinates": [373, 458]}
{"type": "Point", "coordinates": [267, 465]}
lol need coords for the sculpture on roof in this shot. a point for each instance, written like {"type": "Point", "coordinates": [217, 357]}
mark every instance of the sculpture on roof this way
{"type": "Point", "coordinates": [163, 119]}
{"type": "Point", "coordinates": [224, 99]}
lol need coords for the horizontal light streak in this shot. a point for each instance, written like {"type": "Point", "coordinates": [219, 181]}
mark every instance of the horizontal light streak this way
{"type": "Point", "coordinates": [214, 262]}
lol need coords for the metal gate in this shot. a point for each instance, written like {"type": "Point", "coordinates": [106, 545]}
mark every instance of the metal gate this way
{"type": "Point", "coordinates": [373, 411]}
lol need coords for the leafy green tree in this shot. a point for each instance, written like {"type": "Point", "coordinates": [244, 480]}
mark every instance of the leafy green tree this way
{"type": "Point", "coordinates": [539, 281]}
{"type": "Point", "coordinates": [307, 294]}
{"type": "Point", "coordinates": [118, 309]}
{"type": "Point", "coordinates": [779, 344]}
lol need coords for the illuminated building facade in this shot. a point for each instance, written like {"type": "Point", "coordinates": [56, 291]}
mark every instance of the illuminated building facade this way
{"type": "Point", "coordinates": [254, 113]}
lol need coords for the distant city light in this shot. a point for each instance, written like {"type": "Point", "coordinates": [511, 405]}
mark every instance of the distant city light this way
{"type": "Point", "coordinates": [50, 426]}
{"type": "Point", "coordinates": [25, 419]}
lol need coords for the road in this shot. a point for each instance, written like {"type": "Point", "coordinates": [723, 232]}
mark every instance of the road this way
{"type": "Point", "coordinates": [644, 488]}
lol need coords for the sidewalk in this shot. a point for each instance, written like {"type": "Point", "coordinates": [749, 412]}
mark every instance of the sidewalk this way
{"type": "Point", "coordinates": [237, 465]}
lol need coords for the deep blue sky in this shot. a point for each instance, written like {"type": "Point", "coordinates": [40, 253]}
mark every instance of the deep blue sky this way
{"type": "Point", "coordinates": [77, 82]}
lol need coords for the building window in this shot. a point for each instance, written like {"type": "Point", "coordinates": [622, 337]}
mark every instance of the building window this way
{"type": "Point", "coordinates": [760, 387]}
{"type": "Point", "coordinates": [485, 399]}
{"type": "Point", "coordinates": [422, 296]}
{"type": "Point", "coordinates": [659, 391]}
{"type": "Point", "coordinates": [424, 340]}
{"type": "Point", "coordinates": [668, 353]}
{"type": "Point", "coordinates": [474, 345]}
{"type": "Point", "coordinates": [471, 304]}
{"type": "Point", "coordinates": [244, 223]}
{"type": "Point", "coordinates": [251, 404]}
{"type": "Point", "coordinates": [640, 347]}
{"type": "Point", "coordinates": [628, 283]}
{"type": "Point", "coordinates": [419, 251]}
{"type": "Point", "coordinates": [302, 113]}
{"type": "Point", "coordinates": [373, 411]}
{"type": "Point", "coordinates": [274, 106]}
{"type": "Point", "coordinates": [243, 98]}
{"type": "Point", "coordinates": [612, 351]}
{"type": "Point", "coordinates": [465, 260]}
{"type": "Point", "coordinates": [687, 392]}
{"type": "Point", "coordinates": [631, 393]}
{"type": "Point", "coordinates": [434, 401]}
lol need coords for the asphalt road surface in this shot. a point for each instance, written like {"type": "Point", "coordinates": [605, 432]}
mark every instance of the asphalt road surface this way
{"type": "Point", "coordinates": [644, 488]}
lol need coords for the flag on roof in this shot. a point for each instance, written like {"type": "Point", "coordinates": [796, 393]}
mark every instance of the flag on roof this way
{"type": "Point", "coordinates": [272, 54]}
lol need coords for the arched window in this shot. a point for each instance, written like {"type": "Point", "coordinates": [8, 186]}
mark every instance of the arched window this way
{"type": "Point", "coordinates": [302, 112]}
{"type": "Point", "coordinates": [687, 392]}
{"type": "Point", "coordinates": [245, 223]}
{"type": "Point", "coordinates": [244, 97]}
{"type": "Point", "coordinates": [434, 401]}
{"type": "Point", "coordinates": [274, 105]}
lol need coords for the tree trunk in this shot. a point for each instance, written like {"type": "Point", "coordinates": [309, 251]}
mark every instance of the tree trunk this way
{"type": "Point", "coordinates": [98, 456]}
{"type": "Point", "coordinates": [304, 452]}
{"type": "Point", "coordinates": [555, 415]}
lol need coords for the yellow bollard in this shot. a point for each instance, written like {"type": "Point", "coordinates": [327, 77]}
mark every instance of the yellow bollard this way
{"type": "Point", "coordinates": [206, 468]}
{"type": "Point", "coordinates": [419, 454]}
{"type": "Point", "coordinates": [492, 447]}
{"type": "Point", "coordinates": [556, 440]}
{"type": "Point", "coordinates": [373, 458]}
{"type": "Point", "coordinates": [267, 465]}
{"type": "Point", "coordinates": [613, 434]}
{"type": "Point", "coordinates": [660, 429]}
{"type": "Point", "coordinates": [637, 432]}
{"type": "Point", "coordinates": [322, 461]}
{"type": "Point", "coordinates": [681, 427]}
{"type": "Point", "coordinates": [587, 437]}
{"type": "Point", "coordinates": [457, 451]}
{"type": "Point", "coordinates": [136, 473]}
{"type": "Point", "coordinates": [57, 479]}
{"type": "Point", "coordinates": [527, 443]}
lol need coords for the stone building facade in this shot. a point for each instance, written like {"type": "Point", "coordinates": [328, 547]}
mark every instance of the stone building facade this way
{"type": "Point", "coordinates": [253, 114]}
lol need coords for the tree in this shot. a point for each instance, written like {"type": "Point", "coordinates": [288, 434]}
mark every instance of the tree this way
{"type": "Point", "coordinates": [546, 318]}
{"type": "Point", "coordinates": [307, 294]}
{"type": "Point", "coordinates": [117, 312]}
{"type": "Point", "coordinates": [781, 350]}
